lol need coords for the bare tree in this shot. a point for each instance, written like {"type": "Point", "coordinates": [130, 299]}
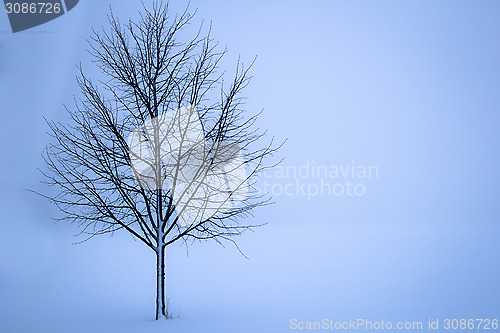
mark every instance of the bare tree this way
{"type": "Point", "coordinates": [161, 147]}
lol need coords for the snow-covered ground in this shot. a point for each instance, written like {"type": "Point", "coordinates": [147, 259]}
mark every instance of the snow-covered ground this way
{"type": "Point", "coordinates": [372, 270]}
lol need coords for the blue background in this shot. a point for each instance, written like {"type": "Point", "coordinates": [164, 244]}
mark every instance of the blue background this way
{"type": "Point", "coordinates": [409, 86]}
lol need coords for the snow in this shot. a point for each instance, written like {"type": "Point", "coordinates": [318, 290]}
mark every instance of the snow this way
{"type": "Point", "coordinates": [303, 272]}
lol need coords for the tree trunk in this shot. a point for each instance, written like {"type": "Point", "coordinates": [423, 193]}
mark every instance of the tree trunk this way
{"type": "Point", "coordinates": [161, 310]}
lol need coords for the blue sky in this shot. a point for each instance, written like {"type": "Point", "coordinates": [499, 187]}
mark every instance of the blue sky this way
{"type": "Point", "coordinates": [408, 86]}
